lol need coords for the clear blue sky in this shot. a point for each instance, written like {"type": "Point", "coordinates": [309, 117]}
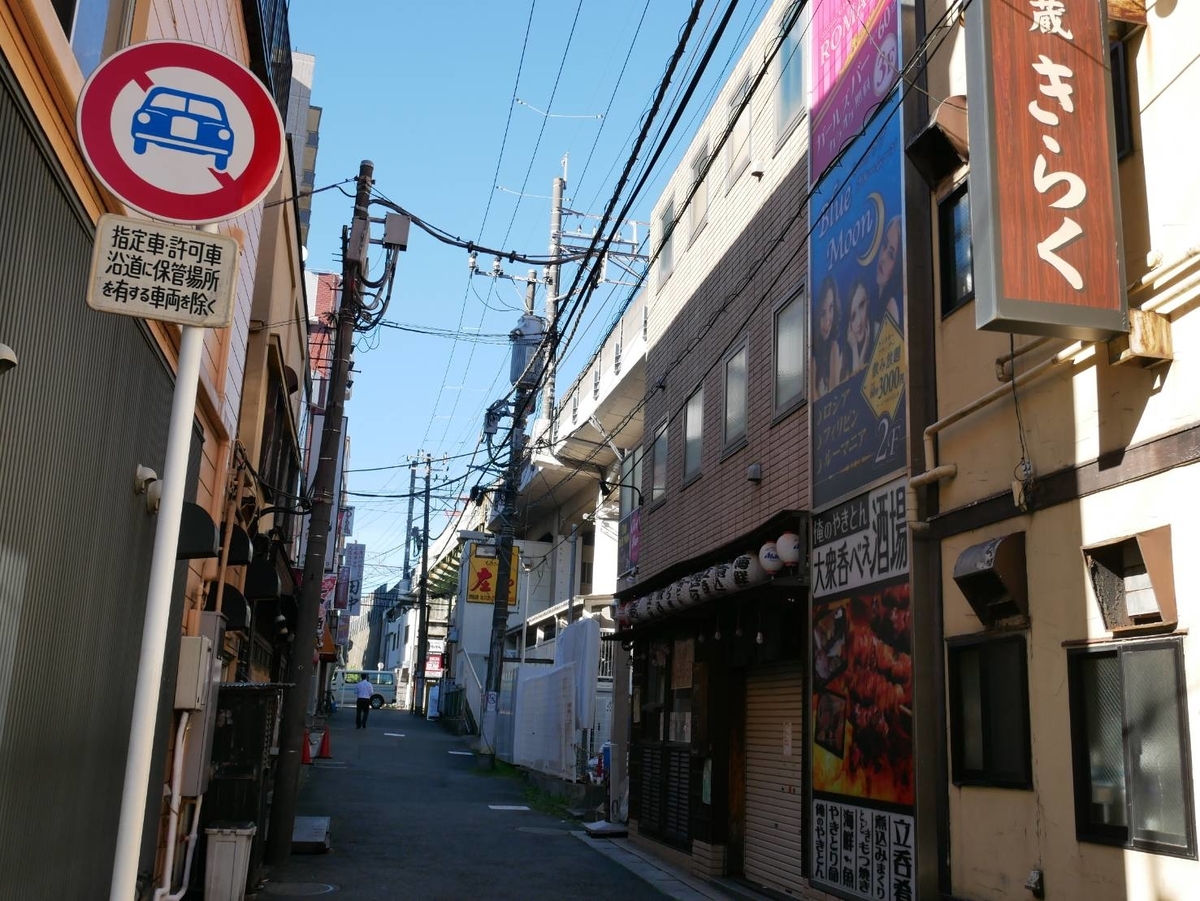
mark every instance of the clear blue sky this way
{"type": "Point", "coordinates": [425, 91]}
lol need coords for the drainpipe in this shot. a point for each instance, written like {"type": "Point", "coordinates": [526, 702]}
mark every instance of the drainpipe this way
{"type": "Point", "coordinates": [1172, 293]}
{"type": "Point", "coordinates": [173, 820]}
{"type": "Point", "coordinates": [571, 583]}
{"type": "Point", "coordinates": [1159, 272]}
{"type": "Point", "coordinates": [191, 848]}
{"type": "Point", "coordinates": [935, 472]}
{"type": "Point", "coordinates": [1004, 370]}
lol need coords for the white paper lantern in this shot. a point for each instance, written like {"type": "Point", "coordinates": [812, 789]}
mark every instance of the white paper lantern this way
{"type": "Point", "coordinates": [659, 605]}
{"type": "Point", "coordinates": [747, 571]}
{"type": "Point", "coordinates": [788, 548]}
{"type": "Point", "coordinates": [708, 580]}
{"type": "Point", "coordinates": [768, 557]}
{"type": "Point", "coordinates": [679, 595]}
{"type": "Point", "coordinates": [673, 597]}
{"type": "Point", "coordinates": [722, 578]}
{"type": "Point", "coordinates": [695, 593]}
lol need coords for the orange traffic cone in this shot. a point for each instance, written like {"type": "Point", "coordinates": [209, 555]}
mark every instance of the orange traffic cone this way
{"type": "Point", "coordinates": [323, 751]}
{"type": "Point", "coordinates": [306, 750]}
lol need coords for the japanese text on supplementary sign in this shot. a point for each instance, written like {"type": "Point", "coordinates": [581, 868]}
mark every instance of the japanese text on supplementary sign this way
{"type": "Point", "coordinates": [156, 271]}
{"type": "Point", "coordinates": [163, 271]}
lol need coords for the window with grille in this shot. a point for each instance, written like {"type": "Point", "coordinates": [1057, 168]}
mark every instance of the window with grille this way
{"type": "Point", "coordinates": [1130, 746]}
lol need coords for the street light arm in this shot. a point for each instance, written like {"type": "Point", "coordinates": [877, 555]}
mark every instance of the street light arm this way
{"type": "Point", "coordinates": [607, 488]}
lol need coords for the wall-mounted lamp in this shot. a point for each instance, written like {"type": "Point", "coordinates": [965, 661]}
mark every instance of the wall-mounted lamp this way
{"type": "Point", "coordinates": [147, 482]}
{"type": "Point", "coordinates": [8, 359]}
{"type": "Point", "coordinates": [606, 488]}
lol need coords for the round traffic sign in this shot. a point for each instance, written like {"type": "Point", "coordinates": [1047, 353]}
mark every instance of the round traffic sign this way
{"type": "Point", "coordinates": [180, 132]}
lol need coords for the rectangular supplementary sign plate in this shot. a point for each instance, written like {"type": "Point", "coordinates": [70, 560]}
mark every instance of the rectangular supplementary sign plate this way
{"type": "Point", "coordinates": [166, 272]}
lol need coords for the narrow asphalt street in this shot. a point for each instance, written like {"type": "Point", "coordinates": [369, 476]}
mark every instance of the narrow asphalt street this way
{"type": "Point", "coordinates": [411, 816]}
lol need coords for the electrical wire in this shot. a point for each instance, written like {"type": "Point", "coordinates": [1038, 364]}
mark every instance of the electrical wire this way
{"type": "Point", "coordinates": [919, 59]}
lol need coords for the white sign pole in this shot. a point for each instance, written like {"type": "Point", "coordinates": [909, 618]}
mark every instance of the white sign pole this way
{"type": "Point", "coordinates": [158, 611]}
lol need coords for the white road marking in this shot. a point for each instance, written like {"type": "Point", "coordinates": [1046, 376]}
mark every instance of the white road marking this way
{"type": "Point", "coordinates": [462, 753]}
{"type": "Point", "coordinates": [507, 807]}
{"type": "Point", "coordinates": [395, 734]}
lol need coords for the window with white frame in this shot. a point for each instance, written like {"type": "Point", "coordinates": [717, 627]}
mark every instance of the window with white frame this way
{"type": "Point", "coordinates": [735, 397]}
{"type": "Point", "coordinates": [699, 209]}
{"type": "Point", "coordinates": [737, 148]}
{"type": "Point", "coordinates": [790, 342]}
{"type": "Point", "coordinates": [789, 94]}
{"type": "Point", "coordinates": [666, 241]}
{"type": "Point", "coordinates": [693, 434]}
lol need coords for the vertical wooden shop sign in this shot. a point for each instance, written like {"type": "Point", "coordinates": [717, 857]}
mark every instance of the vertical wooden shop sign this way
{"type": "Point", "coordinates": [1045, 214]}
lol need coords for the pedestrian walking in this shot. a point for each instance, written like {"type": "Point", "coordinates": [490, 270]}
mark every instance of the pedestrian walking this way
{"type": "Point", "coordinates": [363, 706]}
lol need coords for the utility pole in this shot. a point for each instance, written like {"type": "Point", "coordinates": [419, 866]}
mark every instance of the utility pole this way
{"type": "Point", "coordinates": [552, 275]}
{"type": "Point", "coordinates": [423, 598]}
{"type": "Point", "coordinates": [524, 373]}
{"type": "Point", "coordinates": [412, 490]}
{"type": "Point", "coordinates": [300, 667]}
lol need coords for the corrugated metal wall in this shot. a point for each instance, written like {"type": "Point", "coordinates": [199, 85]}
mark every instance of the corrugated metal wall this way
{"type": "Point", "coordinates": [775, 762]}
{"type": "Point", "coordinates": [89, 400]}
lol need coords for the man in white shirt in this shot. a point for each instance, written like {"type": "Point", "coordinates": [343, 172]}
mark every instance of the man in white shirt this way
{"type": "Point", "coordinates": [363, 704]}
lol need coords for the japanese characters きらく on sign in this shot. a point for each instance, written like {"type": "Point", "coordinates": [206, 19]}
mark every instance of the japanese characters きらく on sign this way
{"type": "Point", "coordinates": [1044, 213]}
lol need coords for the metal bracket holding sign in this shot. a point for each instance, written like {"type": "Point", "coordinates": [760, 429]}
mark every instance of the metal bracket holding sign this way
{"type": "Point", "coordinates": [156, 271]}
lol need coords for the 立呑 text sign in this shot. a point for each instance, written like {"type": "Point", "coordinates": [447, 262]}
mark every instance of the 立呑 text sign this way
{"type": "Point", "coordinates": [180, 132]}
{"type": "Point", "coordinates": [156, 271]}
{"type": "Point", "coordinates": [1045, 223]}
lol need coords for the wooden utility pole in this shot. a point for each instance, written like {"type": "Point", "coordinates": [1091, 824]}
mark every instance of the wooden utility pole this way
{"type": "Point", "coordinates": [300, 667]}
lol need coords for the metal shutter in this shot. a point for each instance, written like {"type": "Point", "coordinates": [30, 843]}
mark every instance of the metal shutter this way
{"type": "Point", "coordinates": [774, 790]}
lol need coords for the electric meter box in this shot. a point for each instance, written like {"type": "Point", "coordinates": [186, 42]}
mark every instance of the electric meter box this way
{"type": "Point", "coordinates": [195, 672]}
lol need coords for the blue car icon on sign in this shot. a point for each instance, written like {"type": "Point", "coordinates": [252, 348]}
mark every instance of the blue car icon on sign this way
{"type": "Point", "coordinates": [178, 120]}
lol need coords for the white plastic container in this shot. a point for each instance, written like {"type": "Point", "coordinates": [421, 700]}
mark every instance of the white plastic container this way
{"type": "Point", "coordinates": [228, 860]}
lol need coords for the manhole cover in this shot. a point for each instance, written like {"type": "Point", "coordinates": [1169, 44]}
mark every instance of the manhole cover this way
{"type": "Point", "coordinates": [301, 889]}
{"type": "Point", "coordinates": [542, 830]}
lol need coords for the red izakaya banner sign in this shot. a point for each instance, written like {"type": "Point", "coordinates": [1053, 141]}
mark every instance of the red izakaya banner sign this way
{"type": "Point", "coordinates": [1045, 217]}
